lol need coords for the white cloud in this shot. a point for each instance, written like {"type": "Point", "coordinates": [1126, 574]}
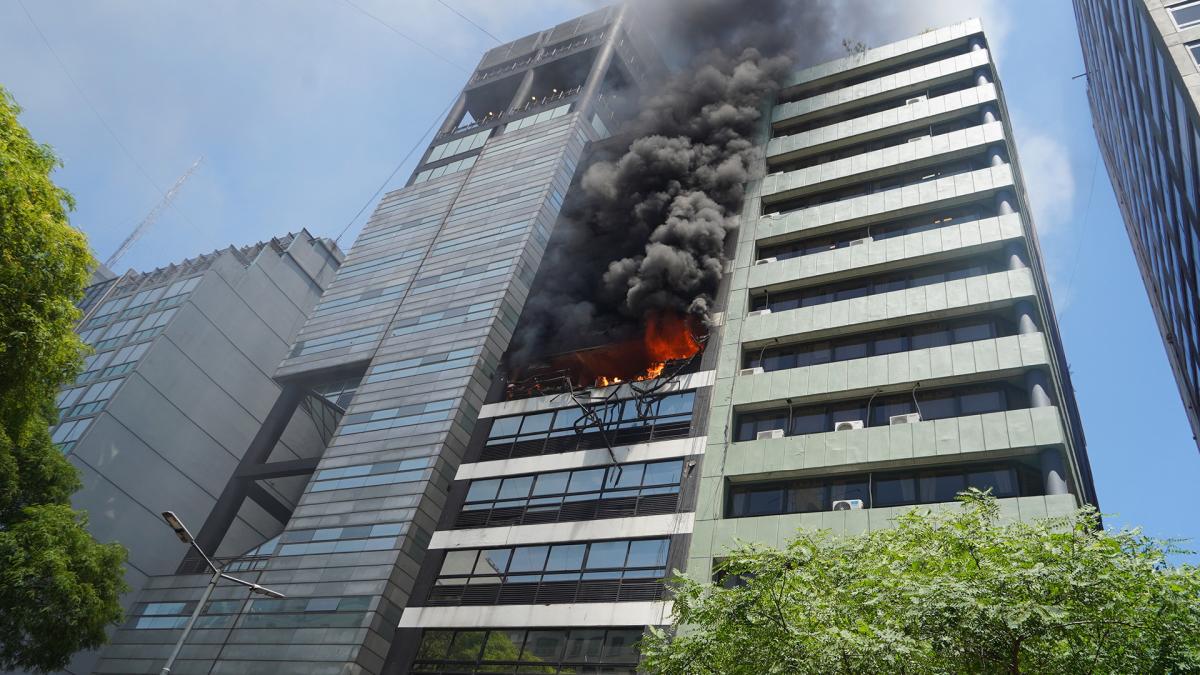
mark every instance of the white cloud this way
{"type": "Point", "coordinates": [1049, 178]}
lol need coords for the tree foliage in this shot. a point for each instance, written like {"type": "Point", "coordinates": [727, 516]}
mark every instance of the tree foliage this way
{"type": "Point", "coordinates": [953, 591]}
{"type": "Point", "coordinates": [58, 587]}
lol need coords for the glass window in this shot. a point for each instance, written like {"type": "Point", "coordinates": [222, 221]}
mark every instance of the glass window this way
{"type": "Point", "coordinates": [481, 490]}
{"type": "Point", "coordinates": [979, 402]}
{"type": "Point", "coordinates": [1185, 14]}
{"type": "Point", "coordinates": [663, 473]}
{"type": "Point", "coordinates": [942, 488]}
{"type": "Point", "coordinates": [651, 553]}
{"type": "Point", "coordinates": [551, 483]}
{"type": "Point", "coordinates": [566, 557]}
{"type": "Point", "coordinates": [607, 554]}
{"type": "Point", "coordinates": [1194, 49]}
{"type": "Point", "coordinates": [590, 480]}
{"type": "Point", "coordinates": [528, 559]}
{"type": "Point", "coordinates": [895, 491]}
{"type": "Point", "coordinates": [515, 488]}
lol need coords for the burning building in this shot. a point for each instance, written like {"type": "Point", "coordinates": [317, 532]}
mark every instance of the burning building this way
{"type": "Point", "coordinates": [623, 313]}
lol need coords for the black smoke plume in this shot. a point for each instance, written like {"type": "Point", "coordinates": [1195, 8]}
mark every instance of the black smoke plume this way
{"type": "Point", "coordinates": [645, 228]}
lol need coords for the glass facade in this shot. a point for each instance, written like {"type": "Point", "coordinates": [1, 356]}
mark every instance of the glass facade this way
{"type": "Point", "coordinates": [1146, 123]}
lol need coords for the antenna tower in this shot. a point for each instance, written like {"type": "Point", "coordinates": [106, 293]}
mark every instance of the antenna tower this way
{"type": "Point", "coordinates": [152, 216]}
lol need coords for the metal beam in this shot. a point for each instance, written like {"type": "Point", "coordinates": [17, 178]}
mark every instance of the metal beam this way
{"type": "Point", "coordinates": [278, 510]}
{"type": "Point", "coordinates": [293, 467]}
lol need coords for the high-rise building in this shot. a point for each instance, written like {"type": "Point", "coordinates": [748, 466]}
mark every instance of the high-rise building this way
{"type": "Point", "coordinates": [1143, 87]}
{"type": "Point", "coordinates": [883, 338]}
{"type": "Point", "coordinates": [179, 383]}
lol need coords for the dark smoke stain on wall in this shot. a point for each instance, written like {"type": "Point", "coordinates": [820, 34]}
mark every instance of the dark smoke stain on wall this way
{"type": "Point", "coordinates": [644, 229]}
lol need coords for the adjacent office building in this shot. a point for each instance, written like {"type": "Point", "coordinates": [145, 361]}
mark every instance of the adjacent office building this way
{"type": "Point", "coordinates": [179, 383]}
{"type": "Point", "coordinates": [1143, 86]}
{"type": "Point", "coordinates": [884, 338]}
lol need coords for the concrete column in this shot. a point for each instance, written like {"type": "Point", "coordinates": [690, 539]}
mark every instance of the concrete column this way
{"type": "Point", "coordinates": [600, 66]}
{"type": "Point", "coordinates": [983, 76]}
{"type": "Point", "coordinates": [522, 96]}
{"type": "Point", "coordinates": [1026, 317]}
{"type": "Point", "coordinates": [997, 155]}
{"type": "Point", "coordinates": [1039, 389]}
{"type": "Point", "coordinates": [1005, 203]}
{"type": "Point", "coordinates": [1014, 255]}
{"type": "Point", "coordinates": [989, 114]}
{"type": "Point", "coordinates": [456, 113]}
{"type": "Point", "coordinates": [1054, 471]}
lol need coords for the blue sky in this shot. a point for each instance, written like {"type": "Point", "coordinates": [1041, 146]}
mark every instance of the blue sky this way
{"type": "Point", "coordinates": [301, 108]}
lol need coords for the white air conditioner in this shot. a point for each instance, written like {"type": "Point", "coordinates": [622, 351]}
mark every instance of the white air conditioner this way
{"type": "Point", "coordinates": [910, 418]}
{"type": "Point", "coordinates": [848, 425]}
{"type": "Point", "coordinates": [847, 504]}
{"type": "Point", "coordinates": [764, 261]}
{"type": "Point", "coordinates": [760, 312]}
{"type": "Point", "coordinates": [757, 370]}
{"type": "Point", "coordinates": [769, 433]}
{"type": "Point", "coordinates": [860, 242]}
{"type": "Point", "coordinates": [915, 99]}
{"type": "Point", "coordinates": [773, 214]}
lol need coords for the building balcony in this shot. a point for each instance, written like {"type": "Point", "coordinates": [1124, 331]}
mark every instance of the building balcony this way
{"type": "Point", "coordinates": [881, 57]}
{"type": "Point", "coordinates": [886, 205]}
{"type": "Point", "coordinates": [926, 151]}
{"type": "Point", "coordinates": [935, 301]}
{"type": "Point", "coordinates": [712, 539]}
{"type": "Point", "coordinates": [952, 240]}
{"type": "Point", "coordinates": [993, 359]}
{"type": "Point", "coordinates": [915, 116]}
{"type": "Point", "coordinates": [913, 80]}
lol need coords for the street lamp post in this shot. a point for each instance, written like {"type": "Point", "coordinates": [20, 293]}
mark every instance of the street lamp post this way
{"type": "Point", "coordinates": [185, 536]}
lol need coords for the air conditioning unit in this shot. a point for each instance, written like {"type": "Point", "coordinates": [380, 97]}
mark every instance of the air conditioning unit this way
{"type": "Point", "coordinates": [915, 99]}
{"type": "Point", "coordinates": [847, 504]}
{"type": "Point", "coordinates": [860, 242]}
{"type": "Point", "coordinates": [760, 312]}
{"type": "Point", "coordinates": [769, 433]}
{"type": "Point", "coordinates": [764, 261]}
{"type": "Point", "coordinates": [910, 418]}
{"type": "Point", "coordinates": [773, 214]}
{"type": "Point", "coordinates": [757, 370]}
{"type": "Point", "coordinates": [848, 425]}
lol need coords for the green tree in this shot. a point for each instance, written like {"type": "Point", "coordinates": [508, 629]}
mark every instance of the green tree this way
{"type": "Point", "coordinates": [956, 590]}
{"type": "Point", "coordinates": [59, 588]}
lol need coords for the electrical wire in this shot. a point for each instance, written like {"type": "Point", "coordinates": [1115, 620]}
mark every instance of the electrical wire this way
{"type": "Point", "coordinates": [384, 184]}
{"type": "Point", "coordinates": [397, 31]}
{"type": "Point", "coordinates": [104, 123]}
{"type": "Point", "coordinates": [468, 20]}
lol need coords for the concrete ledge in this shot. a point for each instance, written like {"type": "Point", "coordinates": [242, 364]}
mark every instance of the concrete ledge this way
{"type": "Point", "coordinates": [888, 85]}
{"type": "Point", "coordinates": [886, 205]}
{"type": "Point", "coordinates": [915, 116]}
{"type": "Point", "coordinates": [533, 616]}
{"type": "Point", "coordinates": [935, 301]}
{"type": "Point", "coordinates": [982, 359]}
{"type": "Point", "coordinates": [663, 525]}
{"type": "Point", "coordinates": [953, 240]}
{"type": "Point", "coordinates": [928, 151]}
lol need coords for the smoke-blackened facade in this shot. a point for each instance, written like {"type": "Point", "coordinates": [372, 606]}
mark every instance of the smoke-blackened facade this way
{"type": "Point", "coordinates": [610, 311]}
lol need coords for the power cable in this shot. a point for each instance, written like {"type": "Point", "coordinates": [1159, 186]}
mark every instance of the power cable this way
{"type": "Point", "coordinates": [66, 71]}
{"type": "Point", "coordinates": [468, 20]}
{"type": "Point", "coordinates": [384, 184]}
{"type": "Point", "coordinates": [397, 31]}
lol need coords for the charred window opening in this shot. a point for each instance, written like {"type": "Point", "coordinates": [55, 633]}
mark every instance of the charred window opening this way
{"type": "Point", "coordinates": [620, 422]}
